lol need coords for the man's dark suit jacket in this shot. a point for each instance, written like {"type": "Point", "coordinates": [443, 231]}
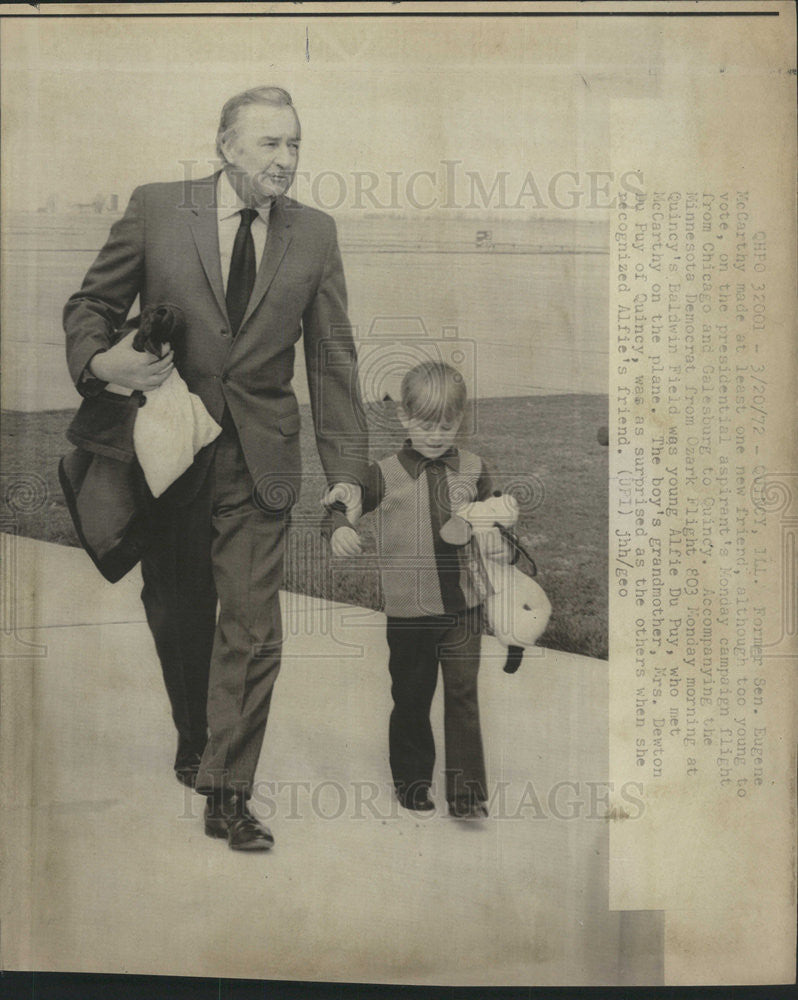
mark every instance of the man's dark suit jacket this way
{"type": "Point", "coordinates": [166, 249]}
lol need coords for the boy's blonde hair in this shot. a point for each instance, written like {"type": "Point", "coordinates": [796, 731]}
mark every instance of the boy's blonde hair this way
{"type": "Point", "coordinates": [434, 391]}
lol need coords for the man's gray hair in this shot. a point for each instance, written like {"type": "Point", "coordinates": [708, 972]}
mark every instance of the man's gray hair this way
{"type": "Point", "coordinates": [275, 96]}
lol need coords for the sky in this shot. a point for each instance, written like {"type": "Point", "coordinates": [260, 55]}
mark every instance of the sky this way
{"type": "Point", "coordinates": [101, 106]}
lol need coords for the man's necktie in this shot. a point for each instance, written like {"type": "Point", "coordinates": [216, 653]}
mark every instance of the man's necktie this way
{"type": "Point", "coordinates": [242, 270]}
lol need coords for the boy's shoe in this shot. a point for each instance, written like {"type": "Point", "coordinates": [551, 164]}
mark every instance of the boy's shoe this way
{"type": "Point", "coordinates": [416, 798]}
{"type": "Point", "coordinates": [468, 810]}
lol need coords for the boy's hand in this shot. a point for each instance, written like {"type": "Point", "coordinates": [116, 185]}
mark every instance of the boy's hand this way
{"type": "Point", "coordinates": [350, 496]}
{"type": "Point", "coordinates": [345, 542]}
{"type": "Point", "coordinates": [495, 547]}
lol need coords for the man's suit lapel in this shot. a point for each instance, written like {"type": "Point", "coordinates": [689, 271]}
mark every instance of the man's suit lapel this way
{"type": "Point", "coordinates": [277, 241]}
{"type": "Point", "coordinates": [204, 228]}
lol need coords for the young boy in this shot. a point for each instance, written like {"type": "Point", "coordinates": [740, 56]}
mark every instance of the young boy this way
{"type": "Point", "coordinates": [434, 613]}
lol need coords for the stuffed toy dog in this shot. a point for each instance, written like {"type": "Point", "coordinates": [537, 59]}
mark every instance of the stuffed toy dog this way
{"type": "Point", "coordinates": [516, 607]}
{"type": "Point", "coordinates": [174, 424]}
{"type": "Point", "coordinates": [159, 328]}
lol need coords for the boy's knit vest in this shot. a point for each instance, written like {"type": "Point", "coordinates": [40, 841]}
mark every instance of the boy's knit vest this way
{"type": "Point", "coordinates": [414, 582]}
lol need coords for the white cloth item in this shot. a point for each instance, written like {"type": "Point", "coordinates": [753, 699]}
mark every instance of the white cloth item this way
{"type": "Point", "coordinates": [517, 608]}
{"type": "Point", "coordinates": [169, 430]}
{"type": "Point", "coordinates": [228, 207]}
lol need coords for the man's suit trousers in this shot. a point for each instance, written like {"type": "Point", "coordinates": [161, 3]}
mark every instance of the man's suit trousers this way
{"type": "Point", "coordinates": [219, 675]}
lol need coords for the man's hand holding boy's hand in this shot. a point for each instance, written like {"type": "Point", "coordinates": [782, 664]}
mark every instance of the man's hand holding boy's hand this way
{"type": "Point", "coordinates": [345, 542]}
{"type": "Point", "coordinates": [350, 496]}
{"type": "Point", "coordinates": [341, 497]}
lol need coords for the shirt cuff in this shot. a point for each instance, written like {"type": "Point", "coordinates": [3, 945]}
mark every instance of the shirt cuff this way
{"type": "Point", "coordinates": [348, 479]}
{"type": "Point", "coordinates": [89, 385]}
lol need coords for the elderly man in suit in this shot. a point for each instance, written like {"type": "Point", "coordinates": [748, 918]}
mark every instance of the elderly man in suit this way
{"type": "Point", "coordinates": [253, 271]}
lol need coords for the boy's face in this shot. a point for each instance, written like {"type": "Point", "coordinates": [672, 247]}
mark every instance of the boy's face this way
{"type": "Point", "coordinates": [428, 437]}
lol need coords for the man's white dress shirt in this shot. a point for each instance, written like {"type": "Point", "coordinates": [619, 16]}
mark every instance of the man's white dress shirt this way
{"type": "Point", "coordinates": [228, 207]}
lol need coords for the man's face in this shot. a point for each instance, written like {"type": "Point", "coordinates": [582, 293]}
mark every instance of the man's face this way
{"type": "Point", "coordinates": [428, 437]}
{"type": "Point", "coordinates": [262, 151]}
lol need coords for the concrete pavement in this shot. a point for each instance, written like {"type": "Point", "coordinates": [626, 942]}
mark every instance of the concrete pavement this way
{"type": "Point", "coordinates": [107, 868]}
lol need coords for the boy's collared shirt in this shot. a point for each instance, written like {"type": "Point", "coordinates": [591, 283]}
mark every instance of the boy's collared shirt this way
{"type": "Point", "coordinates": [415, 463]}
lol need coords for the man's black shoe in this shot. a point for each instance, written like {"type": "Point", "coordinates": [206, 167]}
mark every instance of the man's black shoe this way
{"type": "Point", "coordinates": [187, 761]}
{"type": "Point", "coordinates": [228, 816]}
{"type": "Point", "coordinates": [416, 797]}
{"type": "Point", "coordinates": [468, 809]}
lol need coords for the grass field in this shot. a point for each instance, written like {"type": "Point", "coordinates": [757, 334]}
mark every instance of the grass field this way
{"type": "Point", "coordinates": [543, 447]}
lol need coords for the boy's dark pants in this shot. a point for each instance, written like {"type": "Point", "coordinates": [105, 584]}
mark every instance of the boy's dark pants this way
{"type": "Point", "coordinates": [417, 646]}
